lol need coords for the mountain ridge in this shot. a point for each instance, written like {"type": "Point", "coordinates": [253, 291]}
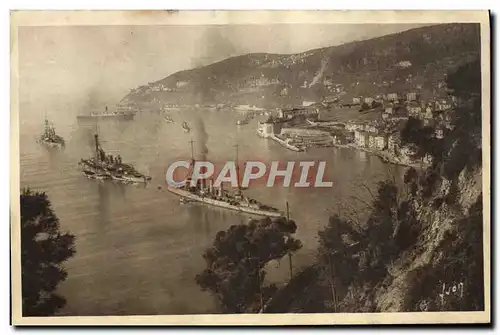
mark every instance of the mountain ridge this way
{"type": "Point", "coordinates": [416, 59]}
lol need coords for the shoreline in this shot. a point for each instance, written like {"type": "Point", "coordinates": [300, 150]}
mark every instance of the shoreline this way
{"type": "Point", "coordinates": [383, 155]}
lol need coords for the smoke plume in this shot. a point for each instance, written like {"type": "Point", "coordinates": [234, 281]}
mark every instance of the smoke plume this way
{"type": "Point", "coordinates": [201, 138]}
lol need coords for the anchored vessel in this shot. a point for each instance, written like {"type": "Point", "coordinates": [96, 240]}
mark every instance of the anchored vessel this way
{"type": "Point", "coordinates": [205, 192]}
{"type": "Point", "coordinates": [103, 166]}
{"type": "Point", "coordinates": [168, 119]}
{"type": "Point", "coordinates": [122, 113]}
{"type": "Point", "coordinates": [186, 127]}
{"type": "Point", "coordinates": [242, 122]}
{"type": "Point", "coordinates": [49, 136]}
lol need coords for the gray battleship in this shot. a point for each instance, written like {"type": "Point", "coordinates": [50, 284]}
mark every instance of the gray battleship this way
{"type": "Point", "coordinates": [103, 167]}
{"type": "Point", "coordinates": [205, 192]}
{"type": "Point", "coordinates": [49, 136]}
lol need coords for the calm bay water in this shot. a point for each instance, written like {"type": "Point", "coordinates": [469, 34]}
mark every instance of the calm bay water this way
{"type": "Point", "coordinates": [138, 249]}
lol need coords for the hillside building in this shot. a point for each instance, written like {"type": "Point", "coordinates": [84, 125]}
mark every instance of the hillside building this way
{"type": "Point", "coordinates": [269, 128]}
{"type": "Point", "coordinates": [377, 141]}
{"type": "Point", "coordinates": [361, 138]}
{"type": "Point", "coordinates": [412, 96]}
{"type": "Point", "coordinates": [392, 96]}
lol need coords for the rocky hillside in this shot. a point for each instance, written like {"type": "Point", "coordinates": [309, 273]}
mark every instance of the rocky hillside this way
{"type": "Point", "coordinates": [416, 59]}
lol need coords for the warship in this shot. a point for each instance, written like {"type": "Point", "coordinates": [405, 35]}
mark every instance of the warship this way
{"type": "Point", "coordinates": [103, 167]}
{"type": "Point", "coordinates": [49, 136]}
{"type": "Point", "coordinates": [205, 192]}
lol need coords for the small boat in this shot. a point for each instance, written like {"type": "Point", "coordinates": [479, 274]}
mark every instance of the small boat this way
{"type": "Point", "coordinates": [184, 201]}
{"type": "Point", "coordinates": [186, 127]}
{"type": "Point", "coordinates": [120, 113]}
{"type": "Point", "coordinates": [168, 119]}
{"type": "Point", "coordinates": [242, 122]}
{"type": "Point", "coordinates": [93, 175]}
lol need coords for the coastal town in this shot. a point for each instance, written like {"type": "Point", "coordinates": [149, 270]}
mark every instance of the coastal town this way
{"type": "Point", "coordinates": [247, 169]}
{"type": "Point", "coordinates": [376, 128]}
{"type": "Point", "coordinates": [322, 111]}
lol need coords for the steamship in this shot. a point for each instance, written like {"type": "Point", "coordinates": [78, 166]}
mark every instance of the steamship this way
{"type": "Point", "coordinates": [205, 192]}
{"type": "Point", "coordinates": [121, 113]}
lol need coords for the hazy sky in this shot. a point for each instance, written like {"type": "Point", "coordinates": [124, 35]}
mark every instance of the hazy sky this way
{"type": "Point", "coordinates": [73, 62]}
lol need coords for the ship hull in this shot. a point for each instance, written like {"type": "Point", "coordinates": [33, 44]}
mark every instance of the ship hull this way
{"type": "Point", "coordinates": [106, 117]}
{"type": "Point", "coordinates": [222, 204]}
{"type": "Point", "coordinates": [97, 176]}
{"type": "Point", "coordinates": [51, 144]}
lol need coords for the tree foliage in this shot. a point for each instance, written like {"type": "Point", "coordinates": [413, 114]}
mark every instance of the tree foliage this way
{"type": "Point", "coordinates": [339, 245]}
{"type": "Point", "coordinates": [420, 138]}
{"type": "Point", "coordinates": [43, 250]}
{"type": "Point", "coordinates": [235, 263]}
{"type": "Point", "coordinates": [361, 255]}
{"type": "Point", "coordinates": [464, 143]}
{"type": "Point", "coordinates": [376, 104]}
{"type": "Point", "coordinates": [364, 107]}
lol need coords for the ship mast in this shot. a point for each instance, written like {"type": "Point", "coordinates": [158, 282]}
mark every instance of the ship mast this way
{"type": "Point", "coordinates": [191, 167]}
{"type": "Point", "coordinates": [97, 146]}
{"type": "Point", "coordinates": [46, 125]}
{"type": "Point", "coordinates": [192, 150]}
{"type": "Point", "coordinates": [237, 170]}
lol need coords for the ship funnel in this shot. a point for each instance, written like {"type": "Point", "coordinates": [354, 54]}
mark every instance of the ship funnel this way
{"type": "Point", "coordinates": [210, 186]}
{"type": "Point", "coordinates": [203, 183]}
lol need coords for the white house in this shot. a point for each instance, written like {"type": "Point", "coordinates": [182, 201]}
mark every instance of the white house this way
{"type": "Point", "coordinates": [371, 128]}
{"type": "Point", "coordinates": [392, 96]}
{"type": "Point", "coordinates": [361, 138]}
{"type": "Point", "coordinates": [353, 126]}
{"type": "Point", "coordinates": [412, 96]}
{"type": "Point", "coordinates": [377, 141]}
{"type": "Point", "coordinates": [414, 111]}
{"type": "Point", "coordinates": [404, 64]}
{"type": "Point", "coordinates": [368, 100]}
{"type": "Point", "coordinates": [393, 142]}
{"type": "Point", "coordinates": [428, 113]}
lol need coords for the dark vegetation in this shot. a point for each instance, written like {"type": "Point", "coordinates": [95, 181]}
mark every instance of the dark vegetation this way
{"type": "Point", "coordinates": [235, 263]}
{"type": "Point", "coordinates": [44, 248]}
{"type": "Point", "coordinates": [394, 232]}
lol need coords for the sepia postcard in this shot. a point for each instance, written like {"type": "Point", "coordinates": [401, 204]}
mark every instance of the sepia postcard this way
{"type": "Point", "coordinates": [250, 167]}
